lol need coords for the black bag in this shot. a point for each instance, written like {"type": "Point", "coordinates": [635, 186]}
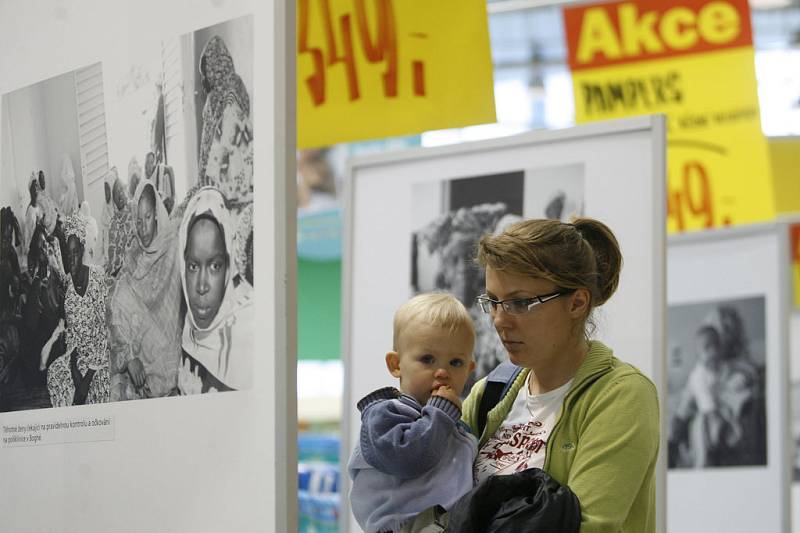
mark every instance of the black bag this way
{"type": "Point", "coordinates": [528, 501]}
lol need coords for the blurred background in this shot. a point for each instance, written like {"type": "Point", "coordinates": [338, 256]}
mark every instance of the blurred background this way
{"type": "Point", "coordinates": [533, 90]}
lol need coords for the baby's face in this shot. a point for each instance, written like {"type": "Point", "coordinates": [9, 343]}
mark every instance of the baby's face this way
{"type": "Point", "coordinates": [431, 357]}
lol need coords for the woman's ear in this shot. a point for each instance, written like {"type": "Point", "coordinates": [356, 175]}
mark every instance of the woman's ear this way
{"type": "Point", "coordinates": [393, 363]}
{"type": "Point", "coordinates": [579, 303]}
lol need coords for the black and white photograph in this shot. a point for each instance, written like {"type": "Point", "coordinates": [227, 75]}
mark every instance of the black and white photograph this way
{"type": "Point", "coordinates": [716, 367]}
{"type": "Point", "coordinates": [556, 192]}
{"type": "Point", "coordinates": [126, 189]}
{"type": "Point", "coordinates": [453, 215]}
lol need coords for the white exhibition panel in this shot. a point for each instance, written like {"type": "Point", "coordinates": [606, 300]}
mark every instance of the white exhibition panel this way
{"type": "Point", "coordinates": [737, 265]}
{"type": "Point", "coordinates": [623, 171]}
{"type": "Point", "coordinates": [794, 361]}
{"type": "Point", "coordinates": [213, 462]}
{"type": "Point", "coordinates": [794, 373]}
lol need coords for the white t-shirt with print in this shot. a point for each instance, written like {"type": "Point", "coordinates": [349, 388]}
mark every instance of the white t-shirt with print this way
{"type": "Point", "coordinates": [521, 440]}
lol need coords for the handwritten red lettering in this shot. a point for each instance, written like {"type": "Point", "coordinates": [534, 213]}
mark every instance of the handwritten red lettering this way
{"type": "Point", "coordinates": [795, 240]}
{"type": "Point", "coordinates": [354, 28]}
{"type": "Point", "coordinates": [693, 198]}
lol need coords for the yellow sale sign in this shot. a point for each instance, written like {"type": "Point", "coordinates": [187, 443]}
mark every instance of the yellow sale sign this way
{"type": "Point", "coordinates": [794, 233]}
{"type": "Point", "coordinates": [694, 62]}
{"type": "Point", "coordinates": [380, 68]}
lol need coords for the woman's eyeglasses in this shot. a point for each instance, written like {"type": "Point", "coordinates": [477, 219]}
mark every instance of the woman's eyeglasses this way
{"type": "Point", "coordinates": [518, 306]}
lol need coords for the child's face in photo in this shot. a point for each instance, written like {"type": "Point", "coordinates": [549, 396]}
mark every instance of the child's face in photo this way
{"type": "Point", "coordinates": [206, 271]}
{"type": "Point", "coordinates": [118, 194]}
{"type": "Point", "coordinates": [146, 220]}
{"type": "Point", "coordinates": [429, 357]}
{"type": "Point", "coordinates": [709, 348]}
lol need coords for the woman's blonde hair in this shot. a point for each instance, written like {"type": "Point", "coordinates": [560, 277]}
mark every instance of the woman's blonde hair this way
{"type": "Point", "coordinates": [437, 309]}
{"type": "Point", "coordinates": [581, 254]}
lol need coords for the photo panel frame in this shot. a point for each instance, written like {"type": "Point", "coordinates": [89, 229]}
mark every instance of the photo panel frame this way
{"type": "Point", "coordinates": [100, 82]}
{"type": "Point", "coordinates": [790, 224]}
{"type": "Point", "coordinates": [413, 217]}
{"type": "Point", "coordinates": [727, 372]}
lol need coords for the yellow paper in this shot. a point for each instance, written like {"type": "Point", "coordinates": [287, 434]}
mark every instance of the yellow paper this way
{"type": "Point", "coordinates": [378, 68]}
{"type": "Point", "coordinates": [785, 158]}
{"type": "Point", "coordinates": [794, 233]}
{"type": "Point", "coordinates": [717, 160]}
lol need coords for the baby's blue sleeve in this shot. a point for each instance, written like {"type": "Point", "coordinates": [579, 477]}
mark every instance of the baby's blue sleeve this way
{"type": "Point", "coordinates": [399, 440]}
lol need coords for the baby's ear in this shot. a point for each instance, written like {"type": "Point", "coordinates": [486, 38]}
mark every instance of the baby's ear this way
{"type": "Point", "coordinates": [393, 363]}
{"type": "Point", "coordinates": [471, 366]}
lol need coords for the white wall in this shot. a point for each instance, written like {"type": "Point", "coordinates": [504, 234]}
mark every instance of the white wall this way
{"type": "Point", "coordinates": [39, 126]}
{"type": "Point", "coordinates": [794, 370]}
{"type": "Point", "coordinates": [61, 124]}
{"type": "Point", "coordinates": [130, 71]}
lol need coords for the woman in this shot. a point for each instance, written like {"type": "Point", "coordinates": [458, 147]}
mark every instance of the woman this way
{"type": "Point", "coordinates": [10, 273]}
{"type": "Point", "coordinates": [68, 203]}
{"type": "Point", "coordinates": [144, 309]}
{"type": "Point", "coordinates": [93, 253]}
{"type": "Point", "coordinates": [226, 148]}
{"type": "Point", "coordinates": [47, 205]}
{"type": "Point", "coordinates": [121, 229]}
{"type": "Point", "coordinates": [453, 237]}
{"type": "Point", "coordinates": [217, 338]}
{"type": "Point", "coordinates": [134, 176]}
{"type": "Point", "coordinates": [33, 214]}
{"type": "Point", "coordinates": [108, 212]}
{"type": "Point", "coordinates": [81, 375]}
{"type": "Point", "coordinates": [43, 311]}
{"type": "Point", "coordinates": [587, 419]}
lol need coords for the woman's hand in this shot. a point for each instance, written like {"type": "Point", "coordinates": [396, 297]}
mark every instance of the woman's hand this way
{"type": "Point", "coordinates": [82, 390]}
{"type": "Point", "coordinates": [189, 382]}
{"type": "Point", "coordinates": [73, 369]}
{"type": "Point", "coordinates": [136, 372]}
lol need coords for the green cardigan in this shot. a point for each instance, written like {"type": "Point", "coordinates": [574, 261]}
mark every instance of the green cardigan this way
{"type": "Point", "coordinates": [604, 444]}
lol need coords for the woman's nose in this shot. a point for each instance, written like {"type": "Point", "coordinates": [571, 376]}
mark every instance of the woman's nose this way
{"type": "Point", "coordinates": [501, 318]}
{"type": "Point", "coordinates": [202, 283]}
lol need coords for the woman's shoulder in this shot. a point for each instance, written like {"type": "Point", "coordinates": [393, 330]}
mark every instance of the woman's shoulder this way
{"type": "Point", "coordinates": [624, 380]}
{"type": "Point", "coordinates": [622, 370]}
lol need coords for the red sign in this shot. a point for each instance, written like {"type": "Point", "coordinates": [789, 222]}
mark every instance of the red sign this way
{"type": "Point", "coordinates": [624, 32]}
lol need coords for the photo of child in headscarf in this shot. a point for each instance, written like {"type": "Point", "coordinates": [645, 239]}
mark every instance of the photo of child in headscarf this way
{"type": "Point", "coordinates": [217, 341]}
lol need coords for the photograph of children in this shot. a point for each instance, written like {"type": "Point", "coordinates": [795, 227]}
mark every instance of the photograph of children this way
{"type": "Point", "coordinates": [130, 274]}
{"type": "Point", "coordinates": [451, 216]}
{"type": "Point", "coordinates": [716, 384]}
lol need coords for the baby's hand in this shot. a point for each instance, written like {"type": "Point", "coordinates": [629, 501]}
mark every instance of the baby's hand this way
{"type": "Point", "coordinates": [447, 392]}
